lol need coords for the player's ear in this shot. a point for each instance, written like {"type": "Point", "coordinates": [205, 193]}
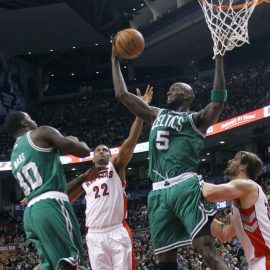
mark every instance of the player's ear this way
{"type": "Point", "coordinates": [243, 167]}
{"type": "Point", "coordinates": [23, 123]}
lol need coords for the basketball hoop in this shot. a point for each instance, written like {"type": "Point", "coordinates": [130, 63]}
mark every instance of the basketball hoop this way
{"type": "Point", "coordinates": [228, 22]}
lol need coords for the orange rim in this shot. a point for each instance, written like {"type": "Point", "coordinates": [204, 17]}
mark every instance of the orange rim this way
{"type": "Point", "coordinates": [240, 6]}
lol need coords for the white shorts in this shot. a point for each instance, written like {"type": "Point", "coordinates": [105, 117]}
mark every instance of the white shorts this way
{"type": "Point", "coordinates": [110, 249]}
{"type": "Point", "coordinates": [262, 263]}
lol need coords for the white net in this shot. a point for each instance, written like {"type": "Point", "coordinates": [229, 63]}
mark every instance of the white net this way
{"type": "Point", "coordinates": [228, 22]}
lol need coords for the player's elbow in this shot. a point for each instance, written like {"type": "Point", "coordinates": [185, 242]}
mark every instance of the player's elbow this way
{"type": "Point", "coordinates": [118, 94]}
{"type": "Point", "coordinates": [219, 235]}
{"type": "Point", "coordinates": [222, 239]}
{"type": "Point", "coordinates": [71, 198]}
{"type": "Point", "coordinates": [85, 152]}
{"type": "Point", "coordinates": [121, 96]}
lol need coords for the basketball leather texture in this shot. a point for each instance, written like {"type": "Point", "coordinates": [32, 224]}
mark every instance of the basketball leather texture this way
{"type": "Point", "coordinates": [129, 43]}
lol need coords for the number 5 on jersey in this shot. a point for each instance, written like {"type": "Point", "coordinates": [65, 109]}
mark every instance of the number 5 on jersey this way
{"type": "Point", "coordinates": [162, 140]}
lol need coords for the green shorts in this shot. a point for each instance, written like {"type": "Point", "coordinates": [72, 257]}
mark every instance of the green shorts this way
{"type": "Point", "coordinates": [51, 224]}
{"type": "Point", "coordinates": [177, 212]}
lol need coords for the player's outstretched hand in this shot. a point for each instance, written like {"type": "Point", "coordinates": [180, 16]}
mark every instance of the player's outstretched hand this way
{"type": "Point", "coordinates": [94, 173]}
{"type": "Point", "coordinates": [114, 53]}
{"type": "Point", "coordinates": [24, 201]}
{"type": "Point", "coordinates": [148, 95]}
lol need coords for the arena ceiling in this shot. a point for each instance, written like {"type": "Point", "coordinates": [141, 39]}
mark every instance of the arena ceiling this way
{"type": "Point", "coordinates": [60, 34]}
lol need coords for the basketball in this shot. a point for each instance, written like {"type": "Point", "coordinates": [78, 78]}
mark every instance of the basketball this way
{"type": "Point", "coordinates": [129, 43]}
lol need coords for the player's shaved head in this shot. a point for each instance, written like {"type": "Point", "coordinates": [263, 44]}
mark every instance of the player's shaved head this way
{"type": "Point", "coordinates": [179, 94]}
{"type": "Point", "coordinates": [13, 122]}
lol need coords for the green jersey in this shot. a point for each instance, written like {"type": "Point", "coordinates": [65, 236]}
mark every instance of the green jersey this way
{"type": "Point", "coordinates": [174, 145]}
{"type": "Point", "coordinates": [37, 169]}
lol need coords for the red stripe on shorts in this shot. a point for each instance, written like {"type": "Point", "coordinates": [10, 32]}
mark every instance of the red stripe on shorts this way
{"type": "Point", "coordinates": [267, 262]}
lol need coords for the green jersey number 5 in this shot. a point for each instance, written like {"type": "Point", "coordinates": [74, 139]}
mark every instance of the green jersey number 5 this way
{"type": "Point", "coordinates": [162, 139]}
{"type": "Point", "coordinates": [29, 178]}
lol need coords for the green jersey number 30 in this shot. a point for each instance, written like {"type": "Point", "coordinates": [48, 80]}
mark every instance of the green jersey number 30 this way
{"type": "Point", "coordinates": [29, 178]}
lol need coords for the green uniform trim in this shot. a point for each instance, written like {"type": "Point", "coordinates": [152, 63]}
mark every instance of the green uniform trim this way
{"type": "Point", "coordinates": [37, 170]}
{"type": "Point", "coordinates": [175, 144]}
{"type": "Point", "coordinates": [219, 95]}
{"type": "Point", "coordinates": [52, 225]}
{"type": "Point", "coordinates": [175, 220]}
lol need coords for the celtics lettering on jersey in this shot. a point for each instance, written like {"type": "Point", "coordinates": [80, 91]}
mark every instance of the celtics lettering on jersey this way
{"type": "Point", "coordinates": [174, 145]}
{"type": "Point", "coordinates": [36, 169]}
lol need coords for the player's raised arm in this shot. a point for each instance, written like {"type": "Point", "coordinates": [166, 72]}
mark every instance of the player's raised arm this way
{"type": "Point", "coordinates": [68, 145]}
{"type": "Point", "coordinates": [127, 148]}
{"type": "Point", "coordinates": [74, 187]}
{"type": "Point", "coordinates": [137, 106]}
{"type": "Point", "coordinates": [233, 190]}
{"type": "Point", "coordinates": [211, 113]}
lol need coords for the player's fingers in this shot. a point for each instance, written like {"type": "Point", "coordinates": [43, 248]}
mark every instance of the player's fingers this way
{"type": "Point", "coordinates": [138, 92]}
{"type": "Point", "coordinates": [96, 170]}
{"type": "Point", "coordinates": [113, 39]}
{"type": "Point", "coordinates": [23, 201]}
{"type": "Point", "coordinates": [150, 92]}
{"type": "Point", "coordinates": [92, 173]}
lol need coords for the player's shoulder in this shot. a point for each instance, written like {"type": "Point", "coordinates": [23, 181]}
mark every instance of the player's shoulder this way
{"type": "Point", "coordinates": [197, 115]}
{"type": "Point", "coordinates": [245, 184]}
{"type": "Point", "coordinates": [45, 130]}
{"type": "Point", "coordinates": [44, 134]}
{"type": "Point", "coordinates": [156, 110]}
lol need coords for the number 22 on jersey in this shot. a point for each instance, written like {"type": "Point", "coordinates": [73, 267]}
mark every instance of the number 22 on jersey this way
{"type": "Point", "coordinates": [103, 193]}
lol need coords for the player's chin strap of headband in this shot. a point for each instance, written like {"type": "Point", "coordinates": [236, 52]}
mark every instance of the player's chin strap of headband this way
{"type": "Point", "coordinates": [219, 95]}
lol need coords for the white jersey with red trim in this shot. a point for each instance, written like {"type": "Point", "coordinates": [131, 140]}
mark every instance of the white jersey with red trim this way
{"type": "Point", "coordinates": [252, 227]}
{"type": "Point", "coordinates": [104, 200]}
